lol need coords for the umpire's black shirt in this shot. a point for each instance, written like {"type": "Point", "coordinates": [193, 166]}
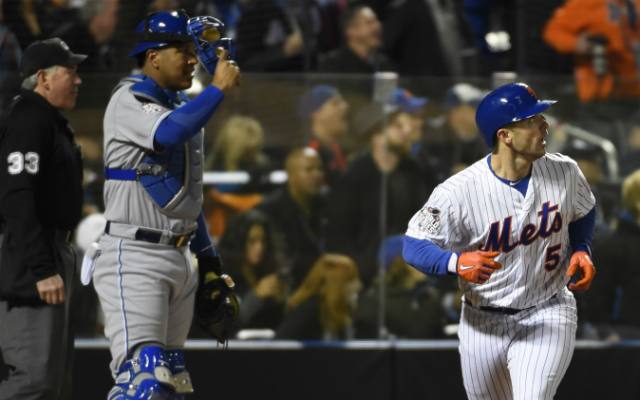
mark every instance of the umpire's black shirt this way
{"type": "Point", "coordinates": [40, 191]}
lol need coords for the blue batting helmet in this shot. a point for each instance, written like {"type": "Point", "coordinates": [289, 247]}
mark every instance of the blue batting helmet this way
{"type": "Point", "coordinates": [161, 29]}
{"type": "Point", "coordinates": [508, 103]}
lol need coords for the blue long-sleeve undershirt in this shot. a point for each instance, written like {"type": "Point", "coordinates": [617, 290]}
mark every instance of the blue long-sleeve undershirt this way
{"type": "Point", "coordinates": [185, 122]}
{"type": "Point", "coordinates": [581, 232]}
{"type": "Point", "coordinates": [202, 239]}
{"type": "Point", "coordinates": [428, 258]}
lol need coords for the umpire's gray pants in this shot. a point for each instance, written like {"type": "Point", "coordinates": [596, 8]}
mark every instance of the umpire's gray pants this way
{"type": "Point", "coordinates": [37, 342]}
{"type": "Point", "coordinates": [147, 293]}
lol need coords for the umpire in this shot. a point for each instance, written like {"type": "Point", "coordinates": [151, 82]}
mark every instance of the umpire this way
{"type": "Point", "coordinates": [40, 206]}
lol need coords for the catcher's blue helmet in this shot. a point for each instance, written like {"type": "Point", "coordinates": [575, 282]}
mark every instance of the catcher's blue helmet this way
{"type": "Point", "coordinates": [161, 29]}
{"type": "Point", "coordinates": [508, 103]}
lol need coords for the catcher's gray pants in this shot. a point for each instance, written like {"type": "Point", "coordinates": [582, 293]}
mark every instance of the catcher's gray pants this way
{"type": "Point", "coordinates": [147, 293]}
{"type": "Point", "coordinates": [37, 342]}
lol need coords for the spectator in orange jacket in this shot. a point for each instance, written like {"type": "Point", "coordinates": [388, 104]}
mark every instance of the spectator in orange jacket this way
{"type": "Point", "coordinates": [575, 27]}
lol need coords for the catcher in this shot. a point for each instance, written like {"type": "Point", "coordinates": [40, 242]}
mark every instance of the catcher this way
{"type": "Point", "coordinates": [153, 158]}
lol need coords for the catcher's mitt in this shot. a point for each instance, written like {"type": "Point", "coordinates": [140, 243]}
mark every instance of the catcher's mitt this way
{"type": "Point", "coordinates": [216, 306]}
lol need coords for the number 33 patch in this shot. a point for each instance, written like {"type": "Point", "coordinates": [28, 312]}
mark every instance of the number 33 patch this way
{"type": "Point", "coordinates": [18, 162]}
{"type": "Point", "coordinates": [429, 220]}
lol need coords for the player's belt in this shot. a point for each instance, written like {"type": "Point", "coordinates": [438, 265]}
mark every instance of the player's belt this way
{"type": "Point", "coordinates": [146, 235]}
{"type": "Point", "coordinates": [503, 310]}
{"type": "Point", "coordinates": [134, 174]}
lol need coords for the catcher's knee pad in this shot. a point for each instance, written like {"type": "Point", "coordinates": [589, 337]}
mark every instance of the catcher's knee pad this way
{"type": "Point", "coordinates": [181, 378]}
{"type": "Point", "coordinates": [146, 376]}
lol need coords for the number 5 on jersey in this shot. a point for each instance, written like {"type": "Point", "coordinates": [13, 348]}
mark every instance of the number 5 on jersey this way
{"type": "Point", "coordinates": [553, 258]}
{"type": "Point", "coordinates": [28, 162]}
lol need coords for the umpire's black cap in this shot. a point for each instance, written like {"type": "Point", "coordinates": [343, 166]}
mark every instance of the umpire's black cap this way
{"type": "Point", "coordinates": [43, 54]}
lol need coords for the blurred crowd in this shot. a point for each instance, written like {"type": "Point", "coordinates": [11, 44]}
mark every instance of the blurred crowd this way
{"type": "Point", "coordinates": [419, 37]}
{"type": "Point", "coordinates": [313, 254]}
{"type": "Point", "coordinates": [307, 252]}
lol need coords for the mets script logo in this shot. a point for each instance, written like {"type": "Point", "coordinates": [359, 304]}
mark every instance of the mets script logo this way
{"type": "Point", "coordinates": [498, 239]}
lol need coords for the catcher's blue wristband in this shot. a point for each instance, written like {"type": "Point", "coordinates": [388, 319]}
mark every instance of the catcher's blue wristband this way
{"type": "Point", "coordinates": [201, 245]}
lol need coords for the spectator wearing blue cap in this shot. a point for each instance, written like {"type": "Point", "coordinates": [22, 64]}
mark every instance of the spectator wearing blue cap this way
{"type": "Point", "coordinates": [453, 141]}
{"type": "Point", "coordinates": [325, 111]}
{"type": "Point", "coordinates": [412, 300]}
{"type": "Point", "coordinates": [414, 106]}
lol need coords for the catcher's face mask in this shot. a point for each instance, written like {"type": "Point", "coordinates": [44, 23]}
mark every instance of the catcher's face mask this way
{"type": "Point", "coordinates": [209, 41]}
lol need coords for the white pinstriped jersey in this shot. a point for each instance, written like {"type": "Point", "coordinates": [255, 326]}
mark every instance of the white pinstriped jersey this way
{"type": "Point", "coordinates": [475, 210]}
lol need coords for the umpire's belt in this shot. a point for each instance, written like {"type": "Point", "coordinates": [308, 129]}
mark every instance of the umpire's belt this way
{"type": "Point", "coordinates": [502, 310]}
{"type": "Point", "coordinates": [147, 234]}
{"type": "Point", "coordinates": [57, 234]}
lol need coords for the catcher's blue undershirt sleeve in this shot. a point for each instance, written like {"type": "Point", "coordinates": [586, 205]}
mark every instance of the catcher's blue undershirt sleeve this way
{"type": "Point", "coordinates": [426, 256]}
{"type": "Point", "coordinates": [185, 122]}
{"type": "Point", "coordinates": [581, 232]}
{"type": "Point", "coordinates": [202, 240]}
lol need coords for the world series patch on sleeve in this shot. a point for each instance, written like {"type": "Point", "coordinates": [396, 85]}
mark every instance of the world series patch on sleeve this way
{"type": "Point", "coordinates": [429, 219]}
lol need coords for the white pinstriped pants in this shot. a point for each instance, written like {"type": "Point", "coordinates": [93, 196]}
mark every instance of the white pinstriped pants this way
{"type": "Point", "coordinates": [522, 356]}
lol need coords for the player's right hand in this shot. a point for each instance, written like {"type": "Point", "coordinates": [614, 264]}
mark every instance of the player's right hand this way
{"type": "Point", "coordinates": [227, 74]}
{"type": "Point", "coordinates": [51, 290]}
{"type": "Point", "coordinates": [581, 262]}
{"type": "Point", "coordinates": [477, 266]}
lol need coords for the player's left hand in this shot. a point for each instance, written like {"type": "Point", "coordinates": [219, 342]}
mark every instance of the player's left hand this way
{"type": "Point", "coordinates": [581, 262]}
{"type": "Point", "coordinates": [215, 306]}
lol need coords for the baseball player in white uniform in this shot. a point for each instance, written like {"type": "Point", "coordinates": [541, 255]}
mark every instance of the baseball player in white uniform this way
{"type": "Point", "coordinates": [514, 226]}
{"type": "Point", "coordinates": [144, 273]}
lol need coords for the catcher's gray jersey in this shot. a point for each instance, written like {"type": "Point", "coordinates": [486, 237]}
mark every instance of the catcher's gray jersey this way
{"type": "Point", "coordinates": [129, 130]}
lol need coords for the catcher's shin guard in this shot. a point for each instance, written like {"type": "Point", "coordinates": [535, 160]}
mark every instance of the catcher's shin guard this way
{"type": "Point", "coordinates": [146, 376]}
{"type": "Point", "coordinates": [181, 378]}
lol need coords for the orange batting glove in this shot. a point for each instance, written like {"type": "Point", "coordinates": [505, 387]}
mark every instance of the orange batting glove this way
{"type": "Point", "coordinates": [477, 266]}
{"type": "Point", "coordinates": [581, 262]}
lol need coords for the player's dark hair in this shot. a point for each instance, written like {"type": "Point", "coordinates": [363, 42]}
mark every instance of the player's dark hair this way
{"type": "Point", "coordinates": [495, 142]}
{"type": "Point", "coordinates": [141, 58]}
